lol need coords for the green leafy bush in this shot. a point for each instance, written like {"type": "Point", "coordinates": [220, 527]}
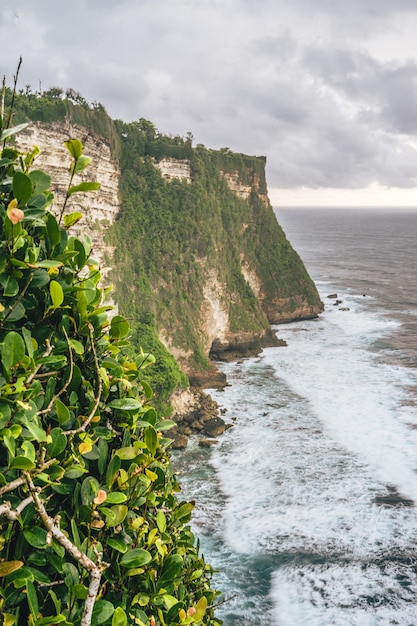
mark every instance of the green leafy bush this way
{"type": "Point", "coordinates": [91, 528]}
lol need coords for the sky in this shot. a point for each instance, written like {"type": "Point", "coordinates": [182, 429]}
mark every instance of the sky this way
{"type": "Point", "coordinates": [325, 89]}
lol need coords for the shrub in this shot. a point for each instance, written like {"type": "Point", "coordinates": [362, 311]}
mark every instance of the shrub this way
{"type": "Point", "coordinates": [91, 528]}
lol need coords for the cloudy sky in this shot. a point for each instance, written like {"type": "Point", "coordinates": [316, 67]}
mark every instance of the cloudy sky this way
{"type": "Point", "coordinates": [326, 89]}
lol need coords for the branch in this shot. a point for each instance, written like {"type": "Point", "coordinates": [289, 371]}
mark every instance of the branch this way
{"type": "Point", "coordinates": [18, 482]}
{"type": "Point", "coordinates": [80, 557]}
{"type": "Point", "coordinates": [13, 515]}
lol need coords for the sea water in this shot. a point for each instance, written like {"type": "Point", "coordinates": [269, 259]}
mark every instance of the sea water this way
{"type": "Point", "coordinates": [307, 505]}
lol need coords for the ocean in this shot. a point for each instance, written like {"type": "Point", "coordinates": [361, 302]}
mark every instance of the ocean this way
{"type": "Point", "coordinates": [307, 505]}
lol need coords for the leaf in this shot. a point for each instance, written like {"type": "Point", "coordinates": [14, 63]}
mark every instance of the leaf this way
{"type": "Point", "coordinates": [127, 454]}
{"type": "Point", "coordinates": [119, 617]}
{"type": "Point", "coordinates": [171, 568]}
{"type": "Point", "coordinates": [22, 463]}
{"type": "Point", "coordinates": [84, 187]}
{"type": "Point", "coordinates": [7, 567]}
{"type": "Point", "coordinates": [62, 411]}
{"type": "Point", "coordinates": [201, 608]}
{"type": "Point", "coordinates": [119, 327]}
{"type": "Point", "coordinates": [59, 442]}
{"type": "Point", "coordinates": [57, 293]}
{"type": "Point", "coordinates": [135, 558]}
{"type": "Point", "coordinates": [103, 610]}
{"type": "Point", "coordinates": [113, 470]}
{"type": "Point", "coordinates": [12, 350]}
{"type": "Point", "coordinates": [161, 521]}
{"type": "Point", "coordinates": [36, 537]}
{"type": "Point", "coordinates": [165, 425]}
{"type": "Point", "coordinates": [52, 228]}
{"type": "Point", "coordinates": [48, 264]}
{"type": "Point", "coordinates": [72, 218]}
{"type": "Point", "coordinates": [22, 187]}
{"type": "Point", "coordinates": [77, 346]}
{"type": "Point", "coordinates": [117, 544]}
{"type": "Point", "coordinates": [74, 147]}
{"type": "Point", "coordinates": [116, 515]}
{"type": "Point", "coordinates": [125, 404]}
{"type": "Point", "coordinates": [85, 447]}
{"type": "Point", "coordinates": [32, 598]}
{"type": "Point", "coordinates": [81, 163]}
{"type": "Point", "coordinates": [12, 131]}
{"type": "Point", "coordinates": [151, 439]}
{"type": "Point", "coordinates": [116, 497]}
{"type": "Point", "coordinates": [41, 181]}
{"type": "Point", "coordinates": [11, 287]}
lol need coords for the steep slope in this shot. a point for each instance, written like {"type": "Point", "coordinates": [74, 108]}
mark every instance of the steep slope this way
{"type": "Point", "coordinates": [198, 260]}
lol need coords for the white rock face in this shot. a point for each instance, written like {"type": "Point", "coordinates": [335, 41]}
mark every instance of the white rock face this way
{"type": "Point", "coordinates": [241, 189]}
{"type": "Point", "coordinates": [174, 168]}
{"type": "Point", "coordinates": [100, 207]}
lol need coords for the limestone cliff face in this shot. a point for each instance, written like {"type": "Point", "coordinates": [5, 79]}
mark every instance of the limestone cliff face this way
{"type": "Point", "coordinates": [99, 208]}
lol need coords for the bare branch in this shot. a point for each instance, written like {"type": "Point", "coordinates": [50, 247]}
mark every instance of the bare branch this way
{"type": "Point", "coordinates": [94, 568]}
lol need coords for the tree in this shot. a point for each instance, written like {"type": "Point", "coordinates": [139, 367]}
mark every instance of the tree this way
{"type": "Point", "coordinates": [91, 528]}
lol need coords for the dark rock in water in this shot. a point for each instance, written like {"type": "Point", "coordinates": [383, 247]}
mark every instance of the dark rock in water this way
{"type": "Point", "coordinates": [179, 441]}
{"type": "Point", "coordinates": [207, 443]}
{"type": "Point", "coordinates": [214, 427]}
{"type": "Point", "coordinates": [332, 295]}
{"type": "Point", "coordinates": [393, 499]}
{"type": "Point", "coordinates": [344, 308]}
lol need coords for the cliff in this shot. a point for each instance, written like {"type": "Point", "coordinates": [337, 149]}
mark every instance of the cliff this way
{"type": "Point", "coordinates": [198, 260]}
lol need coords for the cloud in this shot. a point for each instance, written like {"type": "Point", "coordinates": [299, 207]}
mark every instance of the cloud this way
{"type": "Point", "coordinates": [326, 90]}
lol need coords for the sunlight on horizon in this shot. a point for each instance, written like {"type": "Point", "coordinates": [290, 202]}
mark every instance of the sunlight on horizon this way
{"type": "Point", "coordinates": [372, 196]}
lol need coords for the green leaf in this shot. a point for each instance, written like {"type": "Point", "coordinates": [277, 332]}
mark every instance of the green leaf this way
{"type": "Point", "coordinates": [48, 263]}
{"type": "Point", "coordinates": [59, 441]}
{"type": "Point", "coordinates": [84, 187]}
{"type": "Point", "coordinates": [81, 163]}
{"type": "Point", "coordinates": [172, 567]}
{"type": "Point", "coordinates": [52, 228]}
{"type": "Point", "coordinates": [117, 544]}
{"type": "Point", "coordinates": [12, 350]}
{"type": "Point", "coordinates": [57, 293]}
{"type": "Point", "coordinates": [11, 287]}
{"type": "Point", "coordinates": [135, 558]}
{"type": "Point", "coordinates": [23, 463]}
{"type": "Point", "coordinates": [22, 187]}
{"type": "Point", "coordinates": [77, 346]}
{"type": "Point", "coordinates": [113, 470]}
{"type": "Point", "coordinates": [72, 218]}
{"type": "Point", "coordinates": [27, 336]}
{"type": "Point", "coordinates": [127, 454]}
{"type": "Point", "coordinates": [62, 411]}
{"type": "Point", "coordinates": [161, 521]}
{"type": "Point", "coordinates": [74, 147]}
{"type": "Point", "coordinates": [201, 608]}
{"type": "Point", "coordinates": [32, 598]}
{"type": "Point", "coordinates": [116, 497]}
{"type": "Point", "coordinates": [151, 439]}
{"type": "Point", "coordinates": [119, 327]}
{"type": "Point", "coordinates": [165, 425]}
{"type": "Point", "coordinates": [103, 610]}
{"type": "Point", "coordinates": [12, 131]}
{"type": "Point", "coordinates": [36, 537]}
{"type": "Point", "coordinates": [125, 404]}
{"type": "Point", "coordinates": [41, 181]}
{"type": "Point", "coordinates": [53, 619]}
{"type": "Point", "coordinates": [116, 515]}
{"type": "Point", "coordinates": [119, 617]}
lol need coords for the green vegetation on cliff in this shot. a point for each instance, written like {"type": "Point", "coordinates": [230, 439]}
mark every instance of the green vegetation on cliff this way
{"type": "Point", "coordinates": [189, 240]}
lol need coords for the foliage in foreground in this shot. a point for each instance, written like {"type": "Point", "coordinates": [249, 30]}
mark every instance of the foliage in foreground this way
{"type": "Point", "coordinates": [91, 529]}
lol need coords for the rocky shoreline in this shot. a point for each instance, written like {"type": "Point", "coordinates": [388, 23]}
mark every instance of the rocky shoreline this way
{"type": "Point", "coordinates": [196, 413]}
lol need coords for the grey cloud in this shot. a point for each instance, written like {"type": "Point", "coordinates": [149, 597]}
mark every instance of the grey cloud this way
{"type": "Point", "coordinates": [297, 82]}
